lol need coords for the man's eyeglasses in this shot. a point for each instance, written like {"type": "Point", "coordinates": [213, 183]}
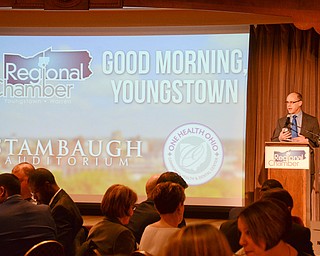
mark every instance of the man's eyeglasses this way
{"type": "Point", "coordinates": [292, 102]}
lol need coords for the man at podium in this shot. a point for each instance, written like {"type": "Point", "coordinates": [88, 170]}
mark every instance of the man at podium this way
{"type": "Point", "coordinates": [298, 126]}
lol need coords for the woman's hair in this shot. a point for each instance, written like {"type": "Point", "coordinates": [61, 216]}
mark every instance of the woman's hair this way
{"type": "Point", "coordinates": [198, 240]}
{"type": "Point", "coordinates": [167, 196]}
{"type": "Point", "coordinates": [117, 201]}
{"type": "Point", "coordinates": [267, 220]}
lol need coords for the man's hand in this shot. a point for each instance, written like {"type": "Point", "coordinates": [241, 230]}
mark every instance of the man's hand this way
{"type": "Point", "coordinates": [300, 139]}
{"type": "Point", "coordinates": [285, 135]}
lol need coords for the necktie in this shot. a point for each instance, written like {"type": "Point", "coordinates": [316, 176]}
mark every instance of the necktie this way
{"type": "Point", "coordinates": [294, 127]}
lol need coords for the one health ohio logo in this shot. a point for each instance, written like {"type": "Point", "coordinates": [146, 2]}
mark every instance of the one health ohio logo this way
{"type": "Point", "coordinates": [48, 76]}
{"type": "Point", "coordinates": [195, 152]}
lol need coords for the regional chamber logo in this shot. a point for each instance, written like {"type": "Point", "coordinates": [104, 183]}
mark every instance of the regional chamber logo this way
{"type": "Point", "coordinates": [47, 75]}
{"type": "Point", "coordinates": [195, 152]}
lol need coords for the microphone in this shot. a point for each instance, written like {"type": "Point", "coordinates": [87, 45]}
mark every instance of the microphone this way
{"type": "Point", "coordinates": [287, 123]}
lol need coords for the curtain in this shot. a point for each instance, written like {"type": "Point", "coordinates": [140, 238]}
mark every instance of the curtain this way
{"type": "Point", "coordinates": [282, 59]}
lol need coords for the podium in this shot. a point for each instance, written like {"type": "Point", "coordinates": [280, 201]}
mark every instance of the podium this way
{"type": "Point", "coordinates": [289, 162]}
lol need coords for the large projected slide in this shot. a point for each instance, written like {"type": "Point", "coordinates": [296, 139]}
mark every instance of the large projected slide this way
{"type": "Point", "coordinates": [98, 110]}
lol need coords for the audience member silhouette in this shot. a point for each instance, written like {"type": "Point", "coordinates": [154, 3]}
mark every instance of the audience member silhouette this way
{"type": "Point", "coordinates": [145, 213]}
{"type": "Point", "coordinates": [198, 240]}
{"type": "Point", "coordinates": [110, 236]}
{"type": "Point", "coordinates": [266, 185]}
{"type": "Point", "coordinates": [64, 211]}
{"type": "Point", "coordinates": [169, 201]}
{"type": "Point", "coordinates": [22, 224]}
{"type": "Point", "coordinates": [299, 237]}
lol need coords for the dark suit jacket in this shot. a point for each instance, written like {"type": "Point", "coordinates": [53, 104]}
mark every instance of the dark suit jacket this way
{"type": "Point", "coordinates": [309, 128]}
{"type": "Point", "coordinates": [111, 238]}
{"type": "Point", "coordinates": [144, 215]}
{"type": "Point", "coordinates": [22, 225]}
{"type": "Point", "coordinates": [298, 237]}
{"type": "Point", "coordinates": [68, 220]}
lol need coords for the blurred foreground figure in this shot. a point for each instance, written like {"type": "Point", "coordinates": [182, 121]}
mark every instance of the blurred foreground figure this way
{"type": "Point", "coordinates": [198, 240]}
{"type": "Point", "coordinates": [263, 225]}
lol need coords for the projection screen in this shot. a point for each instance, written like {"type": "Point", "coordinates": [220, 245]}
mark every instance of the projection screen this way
{"type": "Point", "coordinates": [102, 107]}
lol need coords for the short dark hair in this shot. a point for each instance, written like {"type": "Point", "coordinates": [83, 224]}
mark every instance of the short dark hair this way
{"type": "Point", "coordinates": [11, 183]}
{"type": "Point", "coordinates": [278, 194]}
{"type": "Point", "coordinates": [172, 177]}
{"type": "Point", "coordinates": [167, 196]}
{"type": "Point", "coordinates": [117, 201]}
{"type": "Point", "coordinates": [40, 176]}
{"type": "Point", "coordinates": [270, 183]}
{"type": "Point", "coordinates": [267, 220]}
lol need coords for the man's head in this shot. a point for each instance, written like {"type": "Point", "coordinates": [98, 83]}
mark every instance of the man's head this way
{"type": "Point", "coordinates": [42, 185]}
{"type": "Point", "coordinates": [151, 184]}
{"type": "Point", "coordinates": [278, 194]}
{"type": "Point", "coordinates": [22, 172]}
{"type": "Point", "coordinates": [9, 185]}
{"type": "Point", "coordinates": [172, 177]}
{"type": "Point", "coordinates": [270, 183]}
{"type": "Point", "coordinates": [294, 103]}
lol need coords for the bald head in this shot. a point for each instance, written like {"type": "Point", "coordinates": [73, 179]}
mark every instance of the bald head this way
{"type": "Point", "coordinates": [151, 183]}
{"type": "Point", "coordinates": [22, 172]}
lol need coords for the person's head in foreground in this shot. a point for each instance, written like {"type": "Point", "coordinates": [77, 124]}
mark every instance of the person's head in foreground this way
{"type": "Point", "coordinates": [118, 202]}
{"type": "Point", "coordinates": [262, 225]}
{"type": "Point", "coordinates": [198, 240]}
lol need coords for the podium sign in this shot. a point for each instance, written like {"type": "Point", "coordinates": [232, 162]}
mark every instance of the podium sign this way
{"type": "Point", "coordinates": [287, 156]}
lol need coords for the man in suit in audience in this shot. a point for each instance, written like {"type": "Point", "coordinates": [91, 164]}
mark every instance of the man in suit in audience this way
{"type": "Point", "coordinates": [22, 224]}
{"type": "Point", "coordinates": [22, 171]}
{"type": "Point", "coordinates": [298, 237]}
{"type": "Point", "coordinates": [145, 213]}
{"type": "Point", "coordinates": [64, 211]}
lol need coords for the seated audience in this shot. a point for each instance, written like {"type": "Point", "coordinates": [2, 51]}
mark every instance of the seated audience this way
{"type": "Point", "coordinates": [198, 240]}
{"type": "Point", "coordinates": [110, 236]}
{"type": "Point", "coordinates": [169, 201]}
{"type": "Point", "coordinates": [230, 229]}
{"type": "Point", "coordinates": [145, 213]}
{"type": "Point", "coordinates": [64, 211]}
{"type": "Point", "coordinates": [23, 224]}
{"type": "Point", "coordinates": [299, 237]}
{"type": "Point", "coordinates": [22, 171]}
{"type": "Point", "coordinates": [263, 225]}
{"type": "Point", "coordinates": [266, 185]}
